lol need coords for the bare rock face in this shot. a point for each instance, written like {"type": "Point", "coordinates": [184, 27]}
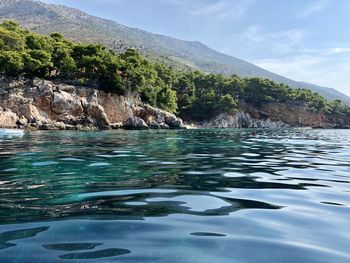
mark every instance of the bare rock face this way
{"type": "Point", "coordinates": [66, 103]}
{"type": "Point", "coordinates": [8, 119]}
{"type": "Point", "coordinates": [44, 105]}
{"type": "Point", "coordinates": [22, 122]}
{"type": "Point", "coordinates": [159, 118]}
{"type": "Point", "coordinates": [96, 113]}
{"type": "Point", "coordinates": [242, 120]}
{"type": "Point", "coordinates": [294, 115]}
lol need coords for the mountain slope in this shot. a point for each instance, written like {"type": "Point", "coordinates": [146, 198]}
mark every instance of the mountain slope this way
{"type": "Point", "coordinates": [79, 26]}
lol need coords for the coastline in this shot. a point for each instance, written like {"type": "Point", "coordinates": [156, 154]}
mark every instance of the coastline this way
{"type": "Point", "coordinates": [44, 105]}
{"type": "Point", "coordinates": [40, 104]}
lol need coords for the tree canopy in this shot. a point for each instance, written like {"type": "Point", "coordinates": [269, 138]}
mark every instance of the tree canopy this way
{"type": "Point", "coordinates": [193, 94]}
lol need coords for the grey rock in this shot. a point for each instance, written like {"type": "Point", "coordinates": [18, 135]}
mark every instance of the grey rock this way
{"type": "Point", "coordinates": [97, 113]}
{"type": "Point", "coordinates": [154, 125]}
{"type": "Point", "coordinates": [65, 103]}
{"type": "Point", "coordinates": [70, 127]}
{"type": "Point", "coordinates": [8, 119]}
{"type": "Point", "coordinates": [60, 125]}
{"type": "Point", "coordinates": [164, 126]}
{"type": "Point", "coordinates": [173, 121]}
{"type": "Point", "coordinates": [242, 120]}
{"type": "Point", "coordinates": [46, 105]}
{"type": "Point", "coordinates": [66, 88]}
{"type": "Point", "coordinates": [36, 82]}
{"type": "Point", "coordinates": [22, 121]}
{"type": "Point", "coordinates": [135, 123]}
{"type": "Point", "coordinates": [117, 126]}
{"type": "Point", "coordinates": [48, 127]}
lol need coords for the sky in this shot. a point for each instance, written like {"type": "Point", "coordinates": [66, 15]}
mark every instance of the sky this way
{"type": "Point", "coordinates": [305, 40]}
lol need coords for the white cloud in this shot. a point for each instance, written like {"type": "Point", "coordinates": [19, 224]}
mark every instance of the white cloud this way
{"type": "Point", "coordinates": [224, 9]}
{"type": "Point", "coordinates": [174, 2]}
{"type": "Point", "coordinates": [339, 50]}
{"type": "Point", "coordinates": [256, 37]}
{"type": "Point", "coordinates": [210, 9]}
{"type": "Point", "coordinates": [257, 34]}
{"type": "Point", "coordinates": [316, 7]}
{"type": "Point", "coordinates": [323, 70]}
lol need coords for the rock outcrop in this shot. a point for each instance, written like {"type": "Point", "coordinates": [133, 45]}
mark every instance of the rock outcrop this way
{"type": "Point", "coordinates": [135, 123]}
{"type": "Point", "coordinates": [277, 115]}
{"type": "Point", "coordinates": [291, 114]}
{"type": "Point", "coordinates": [242, 120]}
{"type": "Point", "coordinates": [8, 119]}
{"type": "Point", "coordinates": [44, 105]}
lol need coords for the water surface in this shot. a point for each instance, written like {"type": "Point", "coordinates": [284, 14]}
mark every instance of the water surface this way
{"type": "Point", "coordinates": [175, 196]}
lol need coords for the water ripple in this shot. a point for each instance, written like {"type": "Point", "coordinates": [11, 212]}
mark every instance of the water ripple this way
{"type": "Point", "coordinates": [178, 196]}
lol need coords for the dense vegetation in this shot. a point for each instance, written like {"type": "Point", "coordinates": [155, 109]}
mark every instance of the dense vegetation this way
{"type": "Point", "coordinates": [194, 95]}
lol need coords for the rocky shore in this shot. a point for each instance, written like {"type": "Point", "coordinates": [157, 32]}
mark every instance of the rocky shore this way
{"type": "Point", "coordinates": [278, 115]}
{"type": "Point", "coordinates": [243, 120]}
{"type": "Point", "coordinates": [39, 104]}
{"type": "Point", "coordinates": [44, 105]}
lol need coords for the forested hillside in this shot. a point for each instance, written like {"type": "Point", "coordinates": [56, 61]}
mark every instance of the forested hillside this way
{"type": "Point", "coordinates": [193, 95]}
{"type": "Point", "coordinates": [180, 55]}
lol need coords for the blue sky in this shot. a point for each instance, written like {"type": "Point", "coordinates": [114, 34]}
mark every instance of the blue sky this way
{"type": "Point", "coordinates": [306, 40]}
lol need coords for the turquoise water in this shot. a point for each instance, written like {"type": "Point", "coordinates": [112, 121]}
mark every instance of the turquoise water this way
{"type": "Point", "coordinates": [175, 196]}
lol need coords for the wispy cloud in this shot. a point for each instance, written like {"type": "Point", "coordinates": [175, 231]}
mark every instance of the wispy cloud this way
{"type": "Point", "coordinates": [224, 9]}
{"type": "Point", "coordinates": [174, 2]}
{"type": "Point", "coordinates": [323, 70]}
{"type": "Point", "coordinates": [317, 6]}
{"type": "Point", "coordinates": [337, 50]}
{"type": "Point", "coordinates": [210, 8]}
{"type": "Point", "coordinates": [257, 33]}
{"type": "Point", "coordinates": [257, 37]}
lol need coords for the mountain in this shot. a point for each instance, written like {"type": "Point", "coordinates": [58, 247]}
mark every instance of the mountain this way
{"type": "Point", "coordinates": [79, 26]}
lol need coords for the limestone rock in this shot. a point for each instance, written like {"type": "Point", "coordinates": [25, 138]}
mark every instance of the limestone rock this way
{"type": "Point", "coordinates": [242, 120]}
{"type": "Point", "coordinates": [66, 103]}
{"type": "Point", "coordinates": [67, 88]}
{"type": "Point", "coordinates": [47, 105]}
{"type": "Point", "coordinates": [60, 125]}
{"type": "Point", "coordinates": [22, 121]}
{"type": "Point", "coordinates": [164, 126]}
{"type": "Point", "coordinates": [48, 126]}
{"type": "Point", "coordinates": [154, 125]}
{"type": "Point", "coordinates": [97, 113]}
{"type": "Point", "coordinates": [151, 114]}
{"type": "Point", "coordinates": [117, 125]}
{"type": "Point", "coordinates": [135, 123]}
{"type": "Point", "coordinates": [8, 119]}
{"type": "Point", "coordinates": [173, 121]}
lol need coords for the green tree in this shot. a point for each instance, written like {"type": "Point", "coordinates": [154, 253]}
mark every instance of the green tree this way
{"type": "Point", "coordinates": [11, 63]}
{"type": "Point", "coordinates": [167, 99]}
{"type": "Point", "coordinates": [227, 104]}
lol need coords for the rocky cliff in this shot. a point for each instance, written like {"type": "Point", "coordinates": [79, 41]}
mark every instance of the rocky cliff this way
{"type": "Point", "coordinates": [242, 120]}
{"type": "Point", "coordinates": [44, 105]}
{"type": "Point", "coordinates": [277, 115]}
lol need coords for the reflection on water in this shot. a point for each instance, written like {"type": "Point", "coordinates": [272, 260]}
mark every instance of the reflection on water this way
{"type": "Point", "coordinates": [18, 234]}
{"type": "Point", "coordinates": [177, 196]}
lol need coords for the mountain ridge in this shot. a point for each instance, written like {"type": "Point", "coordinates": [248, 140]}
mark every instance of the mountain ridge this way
{"type": "Point", "coordinates": [47, 18]}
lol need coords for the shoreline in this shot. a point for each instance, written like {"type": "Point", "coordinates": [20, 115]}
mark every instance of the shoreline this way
{"type": "Point", "coordinates": [40, 104]}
